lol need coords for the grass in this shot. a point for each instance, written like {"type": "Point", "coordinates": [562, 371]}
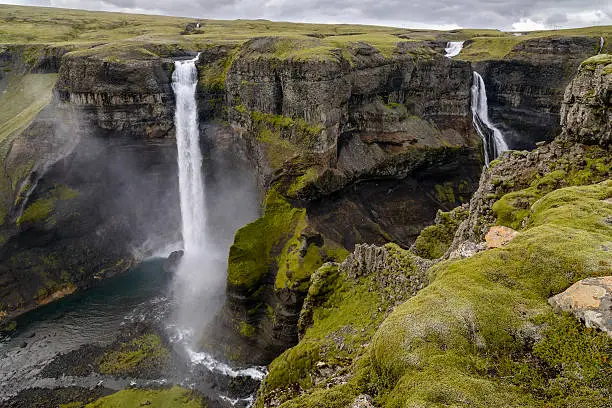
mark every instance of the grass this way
{"type": "Point", "coordinates": [142, 352]}
{"type": "Point", "coordinates": [21, 101]}
{"type": "Point", "coordinates": [175, 397]}
{"type": "Point", "coordinates": [112, 35]}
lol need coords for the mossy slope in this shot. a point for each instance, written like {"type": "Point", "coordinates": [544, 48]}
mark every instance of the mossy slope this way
{"type": "Point", "coordinates": [482, 333]}
{"type": "Point", "coordinates": [175, 397]}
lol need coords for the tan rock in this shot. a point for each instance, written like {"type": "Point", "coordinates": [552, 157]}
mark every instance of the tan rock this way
{"type": "Point", "coordinates": [499, 236]}
{"type": "Point", "coordinates": [590, 300]}
{"type": "Point", "coordinates": [363, 401]}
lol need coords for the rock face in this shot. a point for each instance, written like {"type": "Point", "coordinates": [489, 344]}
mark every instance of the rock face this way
{"type": "Point", "coordinates": [587, 106]}
{"type": "Point", "coordinates": [590, 300]}
{"type": "Point", "coordinates": [526, 89]}
{"type": "Point", "coordinates": [132, 96]}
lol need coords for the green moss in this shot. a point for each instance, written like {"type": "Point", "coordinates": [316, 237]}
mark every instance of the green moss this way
{"type": "Point", "coordinates": [76, 404]}
{"type": "Point", "coordinates": [142, 352]}
{"type": "Point", "coordinates": [38, 211]}
{"type": "Point", "coordinates": [303, 181]}
{"type": "Point", "coordinates": [42, 209]}
{"type": "Point", "coordinates": [512, 208]}
{"type": "Point", "coordinates": [246, 330]}
{"type": "Point", "coordinates": [175, 397]}
{"type": "Point", "coordinates": [344, 313]}
{"type": "Point", "coordinates": [593, 62]}
{"type": "Point", "coordinates": [434, 241]}
{"type": "Point", "coordinates": [445, 193]}
{"type": "Point", "coordinates": [250, 256]}
{"type": "Point", "coordinates": [213, 74]}
{"type": "Point", "coordinates": [442, 346]}
{"type": "Point", "coordinates": [284, 138]}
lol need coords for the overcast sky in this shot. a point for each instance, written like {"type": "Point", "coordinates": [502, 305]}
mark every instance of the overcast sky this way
{"type": "Point", "coordinates": [443, 14]}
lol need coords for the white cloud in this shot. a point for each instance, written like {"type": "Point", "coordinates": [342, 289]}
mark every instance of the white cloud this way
{"type": "Point", "coordinates": [527, 24]}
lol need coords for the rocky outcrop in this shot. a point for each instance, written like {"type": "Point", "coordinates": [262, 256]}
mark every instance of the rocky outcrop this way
{"type": "Point", "coordinates": [363, 116]}
{"type": "Point", "coordinates": [586, 115]}
{"type": "Point", "coordinates": [526, 89]}
{"type": "Point", "coordinates": [131, 96]}
{"type": "Point", "coordinates": [590, 300]}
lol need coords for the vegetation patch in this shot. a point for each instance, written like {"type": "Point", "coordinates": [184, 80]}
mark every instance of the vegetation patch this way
{"type": "Point", "coordinates": [175, 397]}
{"type": "Point", "coordinates": [434, 241]}
{"type": "Point", "coordinates": [251, 256]}
{"type": "Point", "coordinates": [145, 352]}
{"type": "Point", "coordinates": [593, 62]}
{"type": "Point", "coordinates": [42, 209]}
{"type": "Point", "coordinates": [493, 307]}
{"type": "Point", "coordinates": [341, 314]}
{"type": "Point", "coordinates": [513, 208]}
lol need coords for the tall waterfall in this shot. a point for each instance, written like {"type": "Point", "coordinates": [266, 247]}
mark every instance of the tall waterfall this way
{"type": "Point", "coordinates": [602, 41]}
{"type": "Point", "coordinates": [492, 137]}
{"type": "Point", "coordinates": [453, 48]}
{"type": "Point", "coordinates": [200, 278]}
{"type": "Point", "coordinates": [191, 184]}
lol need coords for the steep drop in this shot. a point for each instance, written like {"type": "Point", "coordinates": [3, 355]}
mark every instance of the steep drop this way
{"type": "Point", "coordinates": [191, 185]}
{"type": "Point", "coordinates": [199, 281]}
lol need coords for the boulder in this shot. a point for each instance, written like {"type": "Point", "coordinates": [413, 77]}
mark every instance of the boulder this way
{"type": "Point", "coordinates": [174, 259]}
{"type": "Point", "coordinates": [363, 401]}
{"type": "Point", "coordinates": [499, 236]}
{"type": "Point", "coordinates": [590, 300]}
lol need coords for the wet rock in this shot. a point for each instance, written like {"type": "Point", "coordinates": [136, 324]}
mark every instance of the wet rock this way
{"type": "Point", "coordinates": [172, 263]}
{"type": "Point", "coordinates": [590, 300]}
{"type": "Point", "coordinates": [23, 345]}
{"type": "Point", "coordinates": [499, 236]}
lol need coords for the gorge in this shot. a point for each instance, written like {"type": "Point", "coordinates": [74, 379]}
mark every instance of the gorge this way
{"type": "Point", "coordinates": [334, 190]}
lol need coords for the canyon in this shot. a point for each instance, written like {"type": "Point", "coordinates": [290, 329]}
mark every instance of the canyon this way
{"type": "Point", "coordinates": [344, 178]}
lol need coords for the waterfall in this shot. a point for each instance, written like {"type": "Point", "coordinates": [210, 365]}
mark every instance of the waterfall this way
{"type": "Point", "coordinates": [191, 184]}
{"type": "Point", "coordinates": [199, 281]}
{"type": "Point", "coordinates": [453, 48]}
{"type": "Point", "coordinates": [602, 41]}
{"type": "Point", "coordinates": [492, 137]}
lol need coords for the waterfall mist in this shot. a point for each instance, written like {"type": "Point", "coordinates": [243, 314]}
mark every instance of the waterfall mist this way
{"type": "Point", "coordinates": [492, 137]}
{"type": "Point", "coordinates": [217, 196]}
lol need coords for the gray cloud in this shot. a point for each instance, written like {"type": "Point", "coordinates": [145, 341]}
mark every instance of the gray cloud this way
{"type": "Point", "coordinates": [502, 14]}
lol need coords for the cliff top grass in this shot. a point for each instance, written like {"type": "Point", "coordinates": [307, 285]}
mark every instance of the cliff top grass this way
{"type": "Point", "coordinates": [102, 31]}
{"type": "Point", "coordinates": [22, 99]}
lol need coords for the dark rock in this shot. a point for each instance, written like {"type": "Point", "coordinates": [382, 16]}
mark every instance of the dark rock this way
{"type": "Point", "coordinates": [172, 263]}
{"type": "Point", "coordinates": [23, 344]}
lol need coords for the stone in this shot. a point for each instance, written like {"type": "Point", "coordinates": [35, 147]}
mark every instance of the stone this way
{"type": "Point", "coordinates": [363, 401]}
{"type": "Point", "coordinates": [499, 236]}
{"type": "Point", "coordinates": [590, 300]}
{"type": "Point", "coordinates": [467, 249]}
{"type": "Point", "coordinates": [174, 259]}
